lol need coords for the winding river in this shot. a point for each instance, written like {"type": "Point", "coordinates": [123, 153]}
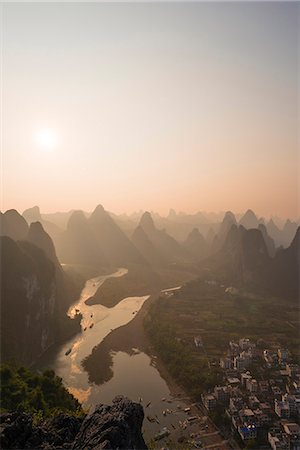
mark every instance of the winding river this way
{"type": "Point", "coordinates": [134, 375]}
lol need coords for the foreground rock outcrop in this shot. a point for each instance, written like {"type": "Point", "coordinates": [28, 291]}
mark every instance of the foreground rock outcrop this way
{"type": "Point", "coordinates": [116, 426]}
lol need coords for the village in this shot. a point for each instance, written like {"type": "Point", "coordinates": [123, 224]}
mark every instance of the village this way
{"type": "Point", "coordinates": [260, 398]}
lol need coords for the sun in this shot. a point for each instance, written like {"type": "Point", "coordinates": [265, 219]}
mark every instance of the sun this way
{"type": "Point", "coordinates": [46, 139]}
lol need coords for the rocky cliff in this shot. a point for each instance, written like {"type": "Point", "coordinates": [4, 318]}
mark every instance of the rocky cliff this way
{"type": "Point", "coordinates": [196, 245]}
{"type": "Point", "coordinates": [33, 302]}
{"type": "Point", "coordinates": [96, 241]}
{"type": "Point", "coordinates": [168, 247]}
{"type": "Point", "coordinates": [244, 261]}
{"type": "Point", "coordinates": [117, 426]}
{"type": "Point", "coordinates": [28, 294]}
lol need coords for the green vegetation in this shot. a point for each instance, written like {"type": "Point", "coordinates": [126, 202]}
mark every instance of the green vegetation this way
{"type": "Point", "coordinates": [43, 394]}
{"type": "Point", "coordinates": [140, 280]}
{"type": "Point", "coordinates": [191, 371]}
{"type": "Point", "coordinates": [200, 309]}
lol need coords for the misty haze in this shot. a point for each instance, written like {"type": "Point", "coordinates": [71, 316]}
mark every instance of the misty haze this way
{"type": "Point", "coordinates": [150, 226]}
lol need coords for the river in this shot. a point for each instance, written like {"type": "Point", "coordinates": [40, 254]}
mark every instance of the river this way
{"type": "Point", "coordinates": [134, 376]}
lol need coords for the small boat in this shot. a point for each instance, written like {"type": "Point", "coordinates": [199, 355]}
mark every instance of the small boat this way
{"type": "Point", "coordinates": [84, 329]}
{"type": "Point", "coordinates": [163, 433]}
{"type": "Point", "coordinates": [173, 426]}
{"type": "Point", "coordinates": [191, 419]}
{"type": "Point", "coordinates": [164, 413]}
{"type": "Point", "coordinates": [151, 419]}
{"type": "Point", "coordinates": [187, 409]}
{"type": "Point", "coordinates": [140, 399]}
{"type": "Point", "coordinates": [68, 352]}
{"type": "Point", "coordinates": [163, 399]}
{"type": "Point", "coordinates": [91, 326]}
{"type": "Point", "coordinates": [148, 404]}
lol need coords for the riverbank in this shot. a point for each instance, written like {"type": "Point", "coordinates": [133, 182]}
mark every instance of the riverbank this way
{"type": "Point", "coordinates": [119, 358]}
{"type": "Point", "coordinates": [123, 339]}
{"type": "Point", "coordinates": [132, 338]}
{"type": "Point", "coordinates": [138, 280]}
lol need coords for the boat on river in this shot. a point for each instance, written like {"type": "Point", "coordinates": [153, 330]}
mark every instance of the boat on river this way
{"type": "Point", "coordinates": [68, 351]}
{"type": "Point", "coordinates": [164, 432]}
{"type": "Point", "coordinates": [151, 419]}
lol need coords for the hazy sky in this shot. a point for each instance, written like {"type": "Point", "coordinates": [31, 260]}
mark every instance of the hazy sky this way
{"type": "Point", "coordinates": [151, 105]}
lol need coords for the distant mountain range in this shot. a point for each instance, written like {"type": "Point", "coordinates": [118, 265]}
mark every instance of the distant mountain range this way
{"type": "Point", "coordinates": [97, 241]}
{"type": "Point", "coordinates": [165, 245]}
{"type": "Point", "coordinates": [36, 292]}
{"type": "Point", "coordinates": [245, 260]}
{"type": "Point", "coordinates": [103, 240]}
{"type": "Point", "coordinates": [177, 225]}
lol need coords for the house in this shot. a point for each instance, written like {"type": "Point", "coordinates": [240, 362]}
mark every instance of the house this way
{"type": "Point", "coordinates": [261, 419]}
{"type": "Point", "coordinates": [296, 385]}
{"type": "Point", "coordinates": [283, 355]}
{"type": "Point", "coordinates": [198, 341]}
{"type": "Point", "coordinates": [246, 344]}
{"type": "Point", "coordinates": [268, 358]}
{"type": "Point", "coordinates": [265, 407]}
{"type": "Point", "coordinates": [244, 377]}
{"type": "Point", "coordinates": [234, 348]}
{"type": "Point", "coordinates": [241, 362]}
{"type": "Point", "coordinates": [233, 381]}
{"type": "Point", "coordinates": [209, 401]}
{"type": "Point", "coordinates": [211, 282]}
{"type": "Point", "coordinates": [247, 432]}
{"type": "Point", "coordinates": [222, 394]}
{"type": "Point", "coordinates": [226, 363]}
{"type": "Point", "coordinates": [292, 431]}
{"type": "Point", "coordinates": [263, 387]}
{"type": "Point", "coordinates": [247, 416]}
{"type": "Point", "coordinates": [235, 403]}
{"type": "Point", "coordinates": [277, 393]}
{"type": "Point", "coordinates": [252, 385]}
{"type": "Point", "coordinates": [292, 370]}
{"type": "Point", "coordinates": [253, 402]}
{"type": "Point", "coordinates": [293, 402]}
{"type": "Point", "coordinates": [282, 409]}
{"type": "Point", "coordinates": [293, 388]}
{"type": "Point", "coordinates": [231, 290]}
{"type": "Point", "coordinates": [278, 440]}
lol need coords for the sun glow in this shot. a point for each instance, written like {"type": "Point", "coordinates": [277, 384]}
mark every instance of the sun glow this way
{"type": "Point", "coordinates": [46, 139]}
